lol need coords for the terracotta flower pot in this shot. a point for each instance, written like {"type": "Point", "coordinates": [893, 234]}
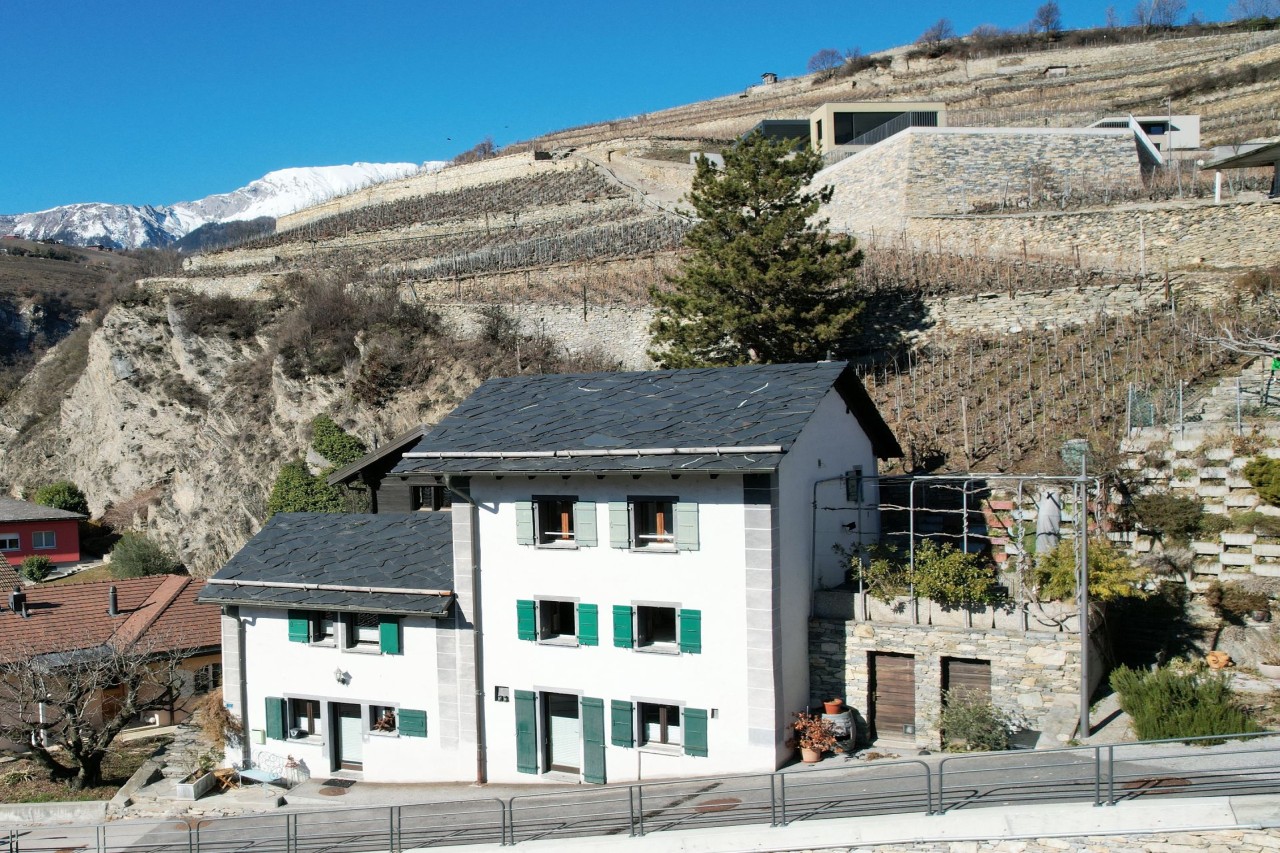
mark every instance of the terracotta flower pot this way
{"type": "Point", "coordinates": [833, 706]}
{"type": "Point", "coordinates": [809, 755]}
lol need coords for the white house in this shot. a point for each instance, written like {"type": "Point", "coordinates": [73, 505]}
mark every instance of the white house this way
{"type": "Point", "coordinates": [633, 561]}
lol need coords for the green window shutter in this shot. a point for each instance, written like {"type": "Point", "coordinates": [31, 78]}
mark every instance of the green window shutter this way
{"type": "Point", "coordinates": [524, 523]}
{"type": "Point", "coordinates": [299, 626]}
{"type": "Point", "coordinates": [526, 732]}
{"type": "Point", "coordinates": [588, 625]}
{"type": "Point", "coordinates": [526, 627]}
{"type": "Point", "coordinates": [622, 626]}
{"type": "Point", "coordinates": [584, 523]}
{"type": "Point", "coordinates": [389, 635]}
{"type": "Point", "coordinates": [686, 526]}
{"type": "Point", "coordinates": [411, 723]}
{"type": "Point", "coordinates": [691, 631]}
{"type": "Point", "coordinates": [593, 740]}
{"type": "Point", "coordinates": [623, 720]}
{"type": "Point", "coordinates": [619, 525]}
{"type": "Point", "coordinates": [275, 718]}
{"type": "Point", "coordinates": [695, 732]}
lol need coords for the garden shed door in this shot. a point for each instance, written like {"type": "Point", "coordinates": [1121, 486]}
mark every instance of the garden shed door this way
{"type": "Point", "coordinates": [892, 705]}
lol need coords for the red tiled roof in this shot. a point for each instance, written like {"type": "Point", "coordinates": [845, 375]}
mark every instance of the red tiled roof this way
{"type": "Point", "coordinates": [66, 617]}
{"type": "Point", "coordinates": [8, 575]}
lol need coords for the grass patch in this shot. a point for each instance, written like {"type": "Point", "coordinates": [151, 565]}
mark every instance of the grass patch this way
{"type": "Point", "coordinates": [24, 781]}
{"type": "Point", "coordinates": [96, 573]}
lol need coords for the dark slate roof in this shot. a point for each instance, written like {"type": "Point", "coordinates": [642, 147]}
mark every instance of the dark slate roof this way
{"type": "Point", "coordinates": [12, 509]}
{"type": "Point", "coordinates": [343, 561]}
{"type": "Point", "coordinates": [755, 406]}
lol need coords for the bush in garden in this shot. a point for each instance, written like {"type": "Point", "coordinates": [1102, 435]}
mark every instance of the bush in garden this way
{"type": "Point", "coordinates": [970, 723]}
{"type": "Point", "coordinates": [1165, 703]}
{"type": "Point", "coordinates": [36, 568]}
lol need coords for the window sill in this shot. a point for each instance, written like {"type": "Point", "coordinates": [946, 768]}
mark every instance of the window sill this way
{"type": "Point", "coordinates": [654, 549]}
{"type": "Point", "coordinates": [557, 546]}
{"type": "Point", "coordinates": [309, 740]}
{"type": "Point", "coordinates": [659, 649]}
{"type": "Point", "coordinates": [363, 650]}
{"type": "Point", "coordinates": [662, 748]}
{"type": "Point", "coordinates": [391, 735]}
{"type": "Point", "coordinates": [45, 548]}
{"type": "Point", "coordinates": [323, 644]}
{"type": "Point", "coordinates": [563, 642]}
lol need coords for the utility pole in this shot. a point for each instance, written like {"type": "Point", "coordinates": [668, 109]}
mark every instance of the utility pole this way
{"type": "Point", "coordinates": [1082, 589]}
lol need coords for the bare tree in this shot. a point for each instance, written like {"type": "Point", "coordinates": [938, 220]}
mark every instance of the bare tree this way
{"type": "Point", "coordinates": [68, 707]}
{"type": "Point", "coordinates": [1245, 9]}
{"type": "Point", "coordinates": [1253, 329]}
{"type": "Point", "coordinates": [1113, 18]}
{"type": "Point", "coordinates": [1158, 13]}
{"type": "Point", "coordinates": [1048, 18]}
{"type": "Point", "coordinates": [825, 61]}
{"type": "Point", "coordinates": [941, 30]}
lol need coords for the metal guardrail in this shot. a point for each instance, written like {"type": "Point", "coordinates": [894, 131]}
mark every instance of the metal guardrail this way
{"type": "Point", "coordinates": [1101, 775]}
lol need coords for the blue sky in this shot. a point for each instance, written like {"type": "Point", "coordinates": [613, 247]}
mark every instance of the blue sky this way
{"type": "Point", "coordinates": [142, 102]}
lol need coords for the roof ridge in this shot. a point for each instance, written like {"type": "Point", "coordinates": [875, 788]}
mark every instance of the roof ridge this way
{"type": "Point", "coordinates": [142, 617]}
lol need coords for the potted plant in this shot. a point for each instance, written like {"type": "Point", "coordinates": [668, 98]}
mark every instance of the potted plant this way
{"type": "Point", "coordinates": [832, 706]}
{"type": "Point", "coordinates": [813, 735]}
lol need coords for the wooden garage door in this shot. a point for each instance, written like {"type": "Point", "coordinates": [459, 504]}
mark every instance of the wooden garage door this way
{"type": "Point", "coordinates": [893, 696]}
{"type": "Point", "coordinates": [973, 677]}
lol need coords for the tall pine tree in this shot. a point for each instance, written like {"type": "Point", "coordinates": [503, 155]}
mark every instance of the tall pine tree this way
{"type": "Point", "coordinates": [763, 283]}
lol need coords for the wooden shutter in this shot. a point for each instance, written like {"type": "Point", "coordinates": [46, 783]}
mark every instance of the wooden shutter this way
{"type": "Point", "coordinates": [619, 525]}
{"type": "Point", "coordinates": [526, 622]}
{"type": "Point", "coordinates": [275, 718]}
{"type": "Point", "coordinates": [524, 523]}
{"type": "Point", "coordinates": [593, 740]}
{"type": "Point", "coordinates": [411, 723]}
{"type": "Point", "coordinates": [695, 732]}
{"type": "Point", "coordinates": [389, 635]}
{"type": "Point", "coordinates": [623, 723]}
{"type": "Point", "coordinates": [691, 631]}
{"type": "Point", "coordinates": [686, 526]}
{"type": "Point", "coordinates": [299, 626]}
{"type": "Point", "coordinates": [622, 626]}
{"type": "Point", "coordinates": [584, 523]}
{"type": "Point", "coordinates": [526, 732]}
{"type": "Point", "coordinates": [588, 625]}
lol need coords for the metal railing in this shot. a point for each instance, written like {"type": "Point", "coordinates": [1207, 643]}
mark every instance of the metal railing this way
{"type": "Point", "coordinates": [1101, 775]}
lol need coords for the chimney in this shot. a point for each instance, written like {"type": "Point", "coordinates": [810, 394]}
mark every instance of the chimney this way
{"type": "Point", "coordinates": [113, 604]}
{"type": "Point", "coordinates": [18, 601]}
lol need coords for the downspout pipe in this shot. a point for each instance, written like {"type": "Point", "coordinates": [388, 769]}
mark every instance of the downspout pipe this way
{"type": "Point", "coordinates": [477, 615]}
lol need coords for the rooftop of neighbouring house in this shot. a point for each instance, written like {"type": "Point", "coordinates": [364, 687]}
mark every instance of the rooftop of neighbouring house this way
{"type": "Point", "coordinates": [12, 509]}
{"type": "Point", "coordinates": [158, 612]}
{"type": "Point", "coordinates": [709, 419]}
{"type": "Point", "coordinates": [384, 563]}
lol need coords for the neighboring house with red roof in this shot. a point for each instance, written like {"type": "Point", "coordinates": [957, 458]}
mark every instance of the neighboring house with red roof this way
{"type": "Point", "coordinates": [158, 612]}
{"type": "Point", "coordinates": [28, 529]}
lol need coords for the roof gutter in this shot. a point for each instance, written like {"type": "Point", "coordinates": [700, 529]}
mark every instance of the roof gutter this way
{"type": "Point", "coordinates": [593, 452]}
{"type": "Point", "coordinates": [328, 587]}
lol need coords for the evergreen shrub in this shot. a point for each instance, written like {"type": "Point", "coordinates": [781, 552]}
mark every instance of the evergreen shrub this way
{"type": "Point", "coordinates": [1165, 704]}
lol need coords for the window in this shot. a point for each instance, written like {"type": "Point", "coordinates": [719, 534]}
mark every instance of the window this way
{"type": "Point", "coordinates": [653, 524]}
{"type": "Point", "coordinates": [556, 621]}
{"type": "Point", "coordinates": [363, 630]}
{"type": "Point", "coordinates": [9, 542]}
{"type": "Point", "coordinates": [207, 678]}
{"type": "Point", "coordinates": [323, 628]}
{"type": "Point", "coordinates": [382, 718]}
{"type": "Point", "coordinates": [432, 498]}
{"type": "Point", "coordinates": [553, 519]}
{"type": "Point", "coordinates": [656, 626]}
{"type": "Point", "coordinates": [44, 539]}
{"type": "Point", "coordinates": [659, 724]}
{"type": "Point", "coordinates": [304, 716]}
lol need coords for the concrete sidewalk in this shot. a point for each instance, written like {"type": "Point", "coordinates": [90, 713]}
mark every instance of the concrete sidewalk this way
{"type": "Point", "coordinates": [1127, 819]}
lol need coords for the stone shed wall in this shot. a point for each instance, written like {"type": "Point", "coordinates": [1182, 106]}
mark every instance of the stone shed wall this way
{"type": "Point", "coordinates": [1034, 674]}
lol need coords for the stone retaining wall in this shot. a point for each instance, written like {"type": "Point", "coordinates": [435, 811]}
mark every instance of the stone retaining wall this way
{"type": "Point", "coordinates": [620, 332]}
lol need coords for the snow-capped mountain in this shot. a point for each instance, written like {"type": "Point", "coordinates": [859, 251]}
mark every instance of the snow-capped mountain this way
{"type": "Point", "coordinates": [128, 226]}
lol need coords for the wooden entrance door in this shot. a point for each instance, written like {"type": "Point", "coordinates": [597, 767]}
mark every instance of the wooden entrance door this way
{"type": "Point", "coordinates": [892, 712]}
{"type": "Point", "coordinates": [564, 732]}
{"type": "Point", "coordinates": [972, 677]}
{"type": "Point", "coordinates": [348, 747]}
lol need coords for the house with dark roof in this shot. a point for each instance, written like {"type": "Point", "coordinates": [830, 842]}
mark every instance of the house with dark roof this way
{"type": "Point", "coordinates": [601, 577]}
{"type": "Point", "coordinates": [159, 612]}
{"type": "Point", "coordinates": [28, 529]}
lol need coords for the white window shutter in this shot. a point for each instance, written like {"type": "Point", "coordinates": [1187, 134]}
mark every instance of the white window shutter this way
{"type": "Point", "coordinates": [686, 526]}
{"type": "Point", "coordinates": [584, 523]}
{"type": "Point", "coordinates": [619, 526]}
{"type": "Point", "coordinates": [524, 522]}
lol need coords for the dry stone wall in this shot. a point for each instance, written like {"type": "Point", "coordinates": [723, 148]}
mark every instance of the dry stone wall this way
{"type": "Point", "coordinates": [620, 332]}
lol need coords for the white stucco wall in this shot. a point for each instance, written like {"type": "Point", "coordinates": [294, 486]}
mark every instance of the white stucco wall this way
{"type": "Point", "coordinates": [829, 446]}
{"type": "Point", "coordinates": [275, 666]}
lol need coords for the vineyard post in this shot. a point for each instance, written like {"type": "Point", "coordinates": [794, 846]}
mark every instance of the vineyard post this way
{"type": "Point", "coordinates": [1082, 587]}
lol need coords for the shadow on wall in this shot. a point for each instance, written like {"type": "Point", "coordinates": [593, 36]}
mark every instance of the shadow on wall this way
{"type": "Point", "coordinates": [890, 322]}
